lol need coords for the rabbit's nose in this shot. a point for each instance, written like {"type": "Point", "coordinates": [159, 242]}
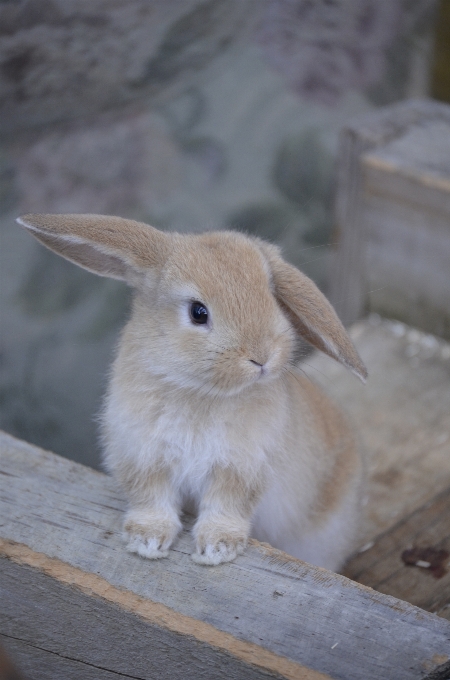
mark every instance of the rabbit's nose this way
{"type": "Point", "coordinates": [261, 362]}
{"type": "Point", "coordinates": [259, 356]}
{"type": "Point", "coordinates": [256, 363]}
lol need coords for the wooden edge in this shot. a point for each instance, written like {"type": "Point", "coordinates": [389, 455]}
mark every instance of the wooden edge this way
{"type": "Point", "coordinates": [156, 613]}
{"type": "Point", "coordinates": [423, 178]}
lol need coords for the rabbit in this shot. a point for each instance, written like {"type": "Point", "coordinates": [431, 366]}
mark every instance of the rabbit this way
{"type": "Point", "coordinates": [206, 410]}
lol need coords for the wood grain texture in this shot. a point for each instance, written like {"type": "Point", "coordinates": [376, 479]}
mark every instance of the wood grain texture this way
{"type": "Point", "coordinates": [87, 633]}
{"type": "Point", "coordinates": [61, 526]}
{"type": "Point", "coordinates": [170, 629]}
{"type": "Point", "coordinates": [41, 664]}
{"type": "Point", "coordinates": [381, 567]}
{"type": "Point", "coordinates": [406, 217]}
{"type": "Point", "coordinates": [391, 139]}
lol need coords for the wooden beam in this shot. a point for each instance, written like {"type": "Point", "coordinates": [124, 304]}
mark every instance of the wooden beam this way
{"type": "Point", "coordinates": [75, 603]}
{"type": "Point", "coordinates": [391, 216]}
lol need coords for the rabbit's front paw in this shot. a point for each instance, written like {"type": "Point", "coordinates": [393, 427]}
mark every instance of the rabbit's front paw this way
{"type": "Point", "coordinates": [217, 544]}
{"type": "Point", "coordinates": [149, 534]}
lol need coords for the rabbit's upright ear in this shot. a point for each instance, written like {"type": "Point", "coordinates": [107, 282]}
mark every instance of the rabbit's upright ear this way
{"type": "Point", "coordinates": [109, 246]}
{"type": "Point", "coordinates": [311, 314]}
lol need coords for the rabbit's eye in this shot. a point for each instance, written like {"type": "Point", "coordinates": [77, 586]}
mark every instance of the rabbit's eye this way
{"type": "Point", "coordinates": [198, 313]}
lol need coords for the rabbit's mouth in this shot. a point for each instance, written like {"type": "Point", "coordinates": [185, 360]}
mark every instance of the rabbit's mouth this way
{"type": "Point", "coordinates": [237, 376]}
{"type": "Point", "coordinates": [260, 368]}
{"type": "Point", "coordinates": [265, 370]}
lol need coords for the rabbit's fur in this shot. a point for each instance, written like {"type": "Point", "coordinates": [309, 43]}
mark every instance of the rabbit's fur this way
{"type": "Point", "coordinates": [215, 417]}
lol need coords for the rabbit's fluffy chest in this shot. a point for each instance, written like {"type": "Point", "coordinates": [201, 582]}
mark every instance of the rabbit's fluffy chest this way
{"type": "Point", "coordinates": [191, 435]}
{"type": "Point", "coordinates": [192, 443]}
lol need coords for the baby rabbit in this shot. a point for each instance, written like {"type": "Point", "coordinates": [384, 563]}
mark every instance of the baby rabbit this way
{"type": "Point", "coordinates": [205, 408]}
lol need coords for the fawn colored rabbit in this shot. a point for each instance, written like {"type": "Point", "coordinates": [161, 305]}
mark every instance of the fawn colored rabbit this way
{"type": "Point", "coordinates": [206, 409]}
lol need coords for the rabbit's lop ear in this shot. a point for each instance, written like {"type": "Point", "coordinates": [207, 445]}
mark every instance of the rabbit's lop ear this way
{"type": "Point", "coordinates": [109, 246]}
{"type": "Point", "coordinates": [311, 314]}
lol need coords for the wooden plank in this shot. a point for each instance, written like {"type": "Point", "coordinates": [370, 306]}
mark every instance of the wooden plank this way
{"type": "Point", "coordinates": [61, 526]}
{"type": "Point", "coordinates": [40, 664]}
{"type": "Point", "coordinates": [382, 567]}
{"type": "Point", "coordinates": [406, 140]}
{"type": "Point", "coordinates": [64, 625]}
{"type": "Point", "coordinates": [402, 415]}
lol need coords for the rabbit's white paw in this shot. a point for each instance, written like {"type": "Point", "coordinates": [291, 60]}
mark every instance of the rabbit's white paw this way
{"type": "Point", "coordinates": [216, 545]}
{"type": "Point", "coordinates": [150, 535]}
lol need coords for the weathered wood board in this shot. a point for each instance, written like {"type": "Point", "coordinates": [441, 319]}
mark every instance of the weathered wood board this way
{"type": "Point", "coordinates": [392, 217]}
{"type": "Point", "coordinates": [381, 566]}
{"type": "Point", "coordinates": [81, 635]}
{"type": "Point", "coordinates": [406, 215]}
{"type": "Point", "coordinates": [73, 600]}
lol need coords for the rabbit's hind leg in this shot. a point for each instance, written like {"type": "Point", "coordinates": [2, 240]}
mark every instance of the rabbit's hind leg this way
{"type": "Point", "coordinates": [329, 544]}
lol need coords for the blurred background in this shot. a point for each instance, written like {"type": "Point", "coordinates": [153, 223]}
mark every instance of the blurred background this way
{"type": "Point", "coordinates": [188, 115]}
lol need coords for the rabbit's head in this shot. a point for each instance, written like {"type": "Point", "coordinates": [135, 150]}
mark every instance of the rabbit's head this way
{"type": "Point", "coordinates": [216, 312]}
